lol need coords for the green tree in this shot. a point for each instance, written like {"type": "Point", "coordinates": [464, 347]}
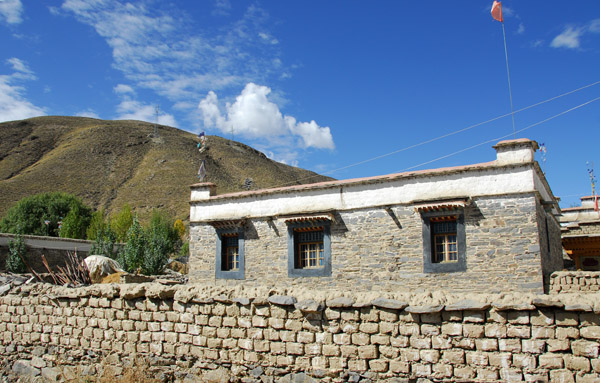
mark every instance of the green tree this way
{"type": "Point", "coordinates": [122, 222]}
{"type": "Point", "coordinates": [162, 236]}
{"type": "Point", "coordinates": [40, 214]}
{"type": "Point", "coordinates": [76, 222]}
{"type": "Point", "coordinates": [97, 225]}
{"type": "Point", "coordinates": [104, 242]}
{"type": "Point", "coordinates": [16, 253]}
{"type": "Point", "coordinates": [132, 255]}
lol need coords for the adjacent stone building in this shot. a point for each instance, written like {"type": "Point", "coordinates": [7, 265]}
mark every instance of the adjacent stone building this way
{"type": "Point", "coordinates": [580, 227]}
{"type": "Point", "coordinates": [487, 227]}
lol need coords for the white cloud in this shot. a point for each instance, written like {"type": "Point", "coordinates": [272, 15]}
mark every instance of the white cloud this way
{"type": "Point", "coordinates": [13, 104]}
{"type": "Point", "coordinates": [594, 26]}
{"type": "Point", "coordinates": [521, 29]}
{"type": "Point", "coordinates": [254, 116]}
{"type": "Point", "coordinates": [158, 48]}
{"type": "Point", "coordinates": [123, 89]}
{"type": "Point", "coordinates": [572, 36]}
{"type": "Point", "coordinates": [135, 110]}
{"type": "Point", "coordinates": [222, 8]}
{"type": "Point", "coordinates": [88, 113]}
{"type": "Point", "coordinates": [21, 69]}
{"type": "Point", "coordinates": [10, 11]}
{"type": "Point", "coordinates": [569, 38]}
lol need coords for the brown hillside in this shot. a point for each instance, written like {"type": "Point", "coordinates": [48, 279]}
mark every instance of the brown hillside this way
{"type": "Point", "coordinates": [110, 163]}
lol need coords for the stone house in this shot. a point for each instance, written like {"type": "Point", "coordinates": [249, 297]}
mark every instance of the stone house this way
{"type": "Point", "coordinates": [580, 227]}
{"type": "Point", "coordinates": [486, 227]}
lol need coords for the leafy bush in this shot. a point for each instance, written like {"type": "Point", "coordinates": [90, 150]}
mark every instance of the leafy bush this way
{"type": "Point", "coordinates": [104, 244]}
{"type": "Point", "coordinates": [16, 253]}
{"type": "Point", "coordinates": [40, 214]}
{"type": "Point", "coordinates": [132, 255]}
{"type": "Point", "coordinates": [147, 250]}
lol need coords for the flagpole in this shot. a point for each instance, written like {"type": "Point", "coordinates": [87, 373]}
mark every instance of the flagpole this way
{"type": "Point", "coordinates": [512, 112]}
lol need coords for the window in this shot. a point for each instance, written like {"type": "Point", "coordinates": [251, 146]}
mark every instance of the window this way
{"type": "Point", "coordinates": [444, 243]}
{"type": "Point", "coordinates": [309, 246]}
{"type": "Point", "coordinates": [445, 248]}
{"type": "Point", "coordinates": [230, 254]}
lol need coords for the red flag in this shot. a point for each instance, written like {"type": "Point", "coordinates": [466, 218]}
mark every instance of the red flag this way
{"type": "Point", "coordinates": [497, 11]}
{"type": "Point", "coordinates": [596, 199]}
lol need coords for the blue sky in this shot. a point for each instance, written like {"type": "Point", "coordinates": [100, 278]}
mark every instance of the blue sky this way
{"type": "Point", "coordinates": [344, 88]}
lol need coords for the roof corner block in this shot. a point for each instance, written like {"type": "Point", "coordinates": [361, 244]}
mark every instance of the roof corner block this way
{"type": "Point", "coordinates": [202, 191]}
{"type": "Point", "coordinates": [518, 151]}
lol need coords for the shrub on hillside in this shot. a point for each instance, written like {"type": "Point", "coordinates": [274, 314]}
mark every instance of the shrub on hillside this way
{"type": "Point", "coordinates": [41, 214]}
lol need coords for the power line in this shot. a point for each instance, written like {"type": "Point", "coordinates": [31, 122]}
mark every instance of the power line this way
{"type": "Point", "coordinates": [505, 136]}
{"type": "Point", "coordinates": [460, 131]}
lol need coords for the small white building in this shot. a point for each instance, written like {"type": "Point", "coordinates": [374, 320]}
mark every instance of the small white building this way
{"type": "Point", "coordinates": [482, 227]}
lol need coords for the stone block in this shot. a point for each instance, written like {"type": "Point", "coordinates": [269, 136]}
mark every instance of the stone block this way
{"type": "Point", "coordinates": [585, 348]}
{"type": "Point", "coordinates": [590, 332]}
{"type": "Point", "coordinates": [464, 372]}
{"type": "Point", "coordinates": [385, 351]}
{"type": "Point", "coordinates": [473, 330]}
{"type": "Point", "coordinates": [380, 339]}
{"type": "Point", "coordinates": [399, 367]}
{"type": "Point", "coordinates": [361, 339]}
{"type": "Point", "coordinates": [567, 333]}
{"type": "Point", "coordinates": [409, 329]}
{"type": "Point", "coordinates": [577, 363]}
{"type": "Point", "coordinates": [368, 352]}
{"type": "Point", "coordinates": [554, 345]}
{"type": "Point", "coordinates": [502, 359]}
{"type": "Point", "coordinates": [524, 361]}
{"type": "Point", "coordinates": [410, 355]}
{"type": "Point", "coordinates": [331, 350]}
{"type": "Point", "coordinates": [518, 317]}
{"type": "Point", "coordinates": [430, 330]}
{"type": "Point", "coordinates": [454, 356]}
{"type": "Point", "coordinates": [473, 316]}
{"type": "Point", "coordinates": [542, 332]}
{"type": "Point", "coordinates": [441, 342]}
{"type": "Point", "coordinates": [357, 365]}
{"type": "Point", "coordinates": [348, 351]}
{"type": "Point", "coordinates": [388, 328]}
{"type": "Point", "coordinates": [495, 330]}
{"type": "Point", "coordinates": [400, 341]}
{"type": "Point", "coordinates": [564, 318]}
{"type": "Point", "coordinates": [420, 342]}
{"type": "Point", "coordinates": [486, 344]}
{"type": "Point", "coordinates": [541, 318]}
{"type": "Point", "coordinates": [378, 365]}
{"type": "Point", "coordinates": [477, 358]}
{"type": "Point", "coordinates": [452, 329]}
{"type": "Point", "coordinates": [342, 338]}
{"type": "Point", "coordinates": [421, 370]}
{"type": "Point", "coordinates": [551, 361]}
{"type": "Point", "coordinates": [511, 375]}
{"type": "Point", "coordinates": [277, 348]}
{"type": "Point", "coordinates": [518, 331]}
{"type": "Point", "coordinates": [429, 356]}
{"type": "Point", "coordinates": [294, 348]}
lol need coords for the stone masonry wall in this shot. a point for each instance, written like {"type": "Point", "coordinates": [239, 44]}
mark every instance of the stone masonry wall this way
{"type": "Point", "coordinates": [574, 281]}
{"type": "Point", "coordinates": [382, 249]}
{"type": "Point", "coordinates": [485, 338]}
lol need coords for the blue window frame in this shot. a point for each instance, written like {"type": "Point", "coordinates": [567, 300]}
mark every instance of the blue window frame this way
{"type": "Point", "coordinates": [444, 242]}
{"type": "Point", "coordinates": [309, 247]}
{"type": "Point", "coordinates": [230, 257]}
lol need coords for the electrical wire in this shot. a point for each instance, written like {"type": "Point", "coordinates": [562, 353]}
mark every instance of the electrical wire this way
{"type": "Point", "coordinates": [505, 136]}
{"type": "Point", "coordinates": [457, 132]}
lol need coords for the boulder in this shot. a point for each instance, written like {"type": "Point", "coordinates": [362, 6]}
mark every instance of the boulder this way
{"type": "Point", "coordinates": [100, 266]}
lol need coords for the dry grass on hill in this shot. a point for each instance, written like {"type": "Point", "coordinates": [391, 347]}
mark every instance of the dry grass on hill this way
{"type": "Point", "coordinates": [111, 163]}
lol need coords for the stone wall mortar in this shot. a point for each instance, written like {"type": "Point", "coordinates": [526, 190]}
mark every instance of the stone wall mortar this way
{"type": "Point", "coordinates": [540, 338]}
